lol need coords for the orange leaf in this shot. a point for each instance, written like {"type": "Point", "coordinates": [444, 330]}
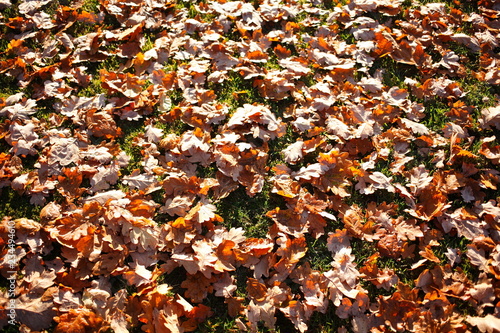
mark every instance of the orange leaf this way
{"type": "Point", "coordinates": [432, 203]}
{"type": "Point", "coordinates": [181, 223]}
{"type": "Point", "coordinates": [69, 184]}
{"type": "Point", "coordinates": [225, 249]}
{"type": "Point", "coordinates": [258, 246]}
{"type": "Point", "coordinates": [142, 208]}
{"type": "Point", "coordinates": [428, 254]}
{"type": "Point", "coordinates": [78, 320]}
{"type": "Point", "coordinates": [14, 44]}
{"type": "Point", "coordinates": [384, 46]}
{"type": "Point", "coordinates": [256, 290]}
{"type": "Point", "coordinates": [257, 56]}
{"type": "Point", "coordinates": [200, 313]}
{"type": "Point", "coordinates": [282, 52]}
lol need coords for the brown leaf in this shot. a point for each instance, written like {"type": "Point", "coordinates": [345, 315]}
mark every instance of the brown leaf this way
{"type": "Point", "coordinates": [235, 306]}
{"type": "Point", "coordinates": [197, 287]}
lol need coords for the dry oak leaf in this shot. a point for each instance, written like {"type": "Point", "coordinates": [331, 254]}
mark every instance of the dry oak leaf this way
{"type": "Point", "coordinates": [490, 152]}
{"type": "Point", "coordinates": [18, 107]}
{"type": "Point", "coordinates": [294, 152]}
{"type": "Point", "coordinates": [492, 76]}
{"type": "Point", "coordinates": [116, 313]}
{"type": "Point", "coordinates": [338, 288]}
{"type": "Point", "coordinates": [67, 299]}
{"type": "Point", "coordinates": [203, 211]}
{"type": "Point", "coordinates": [419, 179]}
{"type": "Point", "coordinates": [206, 258]}
{"type": "Point", "coordinates": [78, 321]}
{"type": "Point", "coordinates": [69, 182]}
{"type": "Point", "coordinates": [314, 289]}
{"type": "Point", "coordinates": [197, 287]}
{"type": "Point", "coordinates": [483, 292]}
{"type": "Point", "coordinates": [195, 144]}
{"type": "Point", "coordinates": [166, 319]}
{"type": "Point", "coordinates": [128, 84]}
{"type": "Point", "coordinates": [196, 315]}
{"type": "Point", "coordinates": [290, 252]}
{"type": "Point", "coordinates": [353, 308]}
{"type": "Point", "coordinates": [477, 257]}
{"type": "Point", "coordinates": [34, 313]}
{"type": "Point", "coordinates": [36, 276]}
{"type": "Point", "coordinates": [255, 115]}
{"type": "Point", "coordinates": [235, 306]}
{"type": "Point", "coordinates": [467, 223]}
{"type": "Point", "coordinates": [283, 184]}
{"type": "Point", "coordinates": [147, 308]}
{"type": "Point", "coordinates": [376, 181]}
{"type": "Point", "coordinates": [22, 138]}
{"type": "Point", "coordinates": [226, 256]}
{"type": "Point", "coordinates": [179, 183]}
{"type": "Point", "coordinates": [488, 324]}
{"type": "Point", "coordinates": [265, 310]}
{"type": "Point", "coordinates": [337, 168]}
{"type": "Point", "coordinates": [257, 247]}
{"type": "Point", "coordinates": [179, 205]}
{"type": "Point", "coordinates": [353, 219]}
{"type": "Point", "coordinates": [298, 314]}
{"type": "Point", "coordinates": [256, 290]}
{"type": "Point", "coordinates": [257, 312]}
{"type": "Point", "coordinates": [102, 124]}
{"type": "Point", "coordinates": [138, 275]}
{"type": "Point", "coordinates": [225, 285]}
{"type": "Point", "coordinates": [399, 309]}
{"type": "Point", "coordinates": [343, 263]}
{"type": "Point", "coordinates": [381, 278]}
{"type": "Point", "coordinates": [432, 203]}
{"type": "Point", "coordinates": [469, 41]}
{"type": "Point", "coordinates": [289, 221]}
{"type": "Point", "coordinates": [338, 240]}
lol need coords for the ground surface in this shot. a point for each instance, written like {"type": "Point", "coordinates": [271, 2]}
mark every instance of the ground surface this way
{"type": "Point", "coordinates": [309, 166]}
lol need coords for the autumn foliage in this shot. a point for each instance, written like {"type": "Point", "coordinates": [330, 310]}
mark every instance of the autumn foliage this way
{"type": "Point", "coordinates": [135, 125]}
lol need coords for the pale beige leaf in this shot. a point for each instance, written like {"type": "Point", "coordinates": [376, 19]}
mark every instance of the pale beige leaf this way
{"type": "Point", "coordinates": [488, 324]}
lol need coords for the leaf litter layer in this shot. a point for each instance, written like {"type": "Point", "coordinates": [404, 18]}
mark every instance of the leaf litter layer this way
{"type": "Point", "coordinates": [175, 166]}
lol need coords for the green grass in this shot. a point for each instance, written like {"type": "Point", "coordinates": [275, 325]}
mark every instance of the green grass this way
{"type": "Point", "coordinates": [91, 6]}
{"type": "Point", "coordinates": [126, 142]}
{"type": "Point", "coordinates": [479, 93]}
{"type": "Point", "coordinates": [17, 206]}
{"type": "Point", "coordinates": [175, 126]}
{"type": "Point", "coordinates": [149, 42]}
{"type": "Point", "coordinates": [435, 114]}
{"type": "Point", "coordinates": [318, 255]}
{"type": "Point", "coordinates": [394, 73]}
{"type": "Point", "coordinates": [236, 91]}
{"type": "Point", "coordinates": [276, 147]}
{"type": "Point", "coordinates": [327, 322]}
{"type": "Point", "coordinates": [249, 213]}
{"type": "Point", "coordinates": [465, 6]}
{"type": "Point", "coordinates": [189, 7]}
{"type": "Point", "coordinates": [93, 89]}
{"type": "Point", "coordinates": [11, 329]}
{"type": "Point", "coordinates": [220, 321]}
{"type": "Point", "coordinates": [9, 86]}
